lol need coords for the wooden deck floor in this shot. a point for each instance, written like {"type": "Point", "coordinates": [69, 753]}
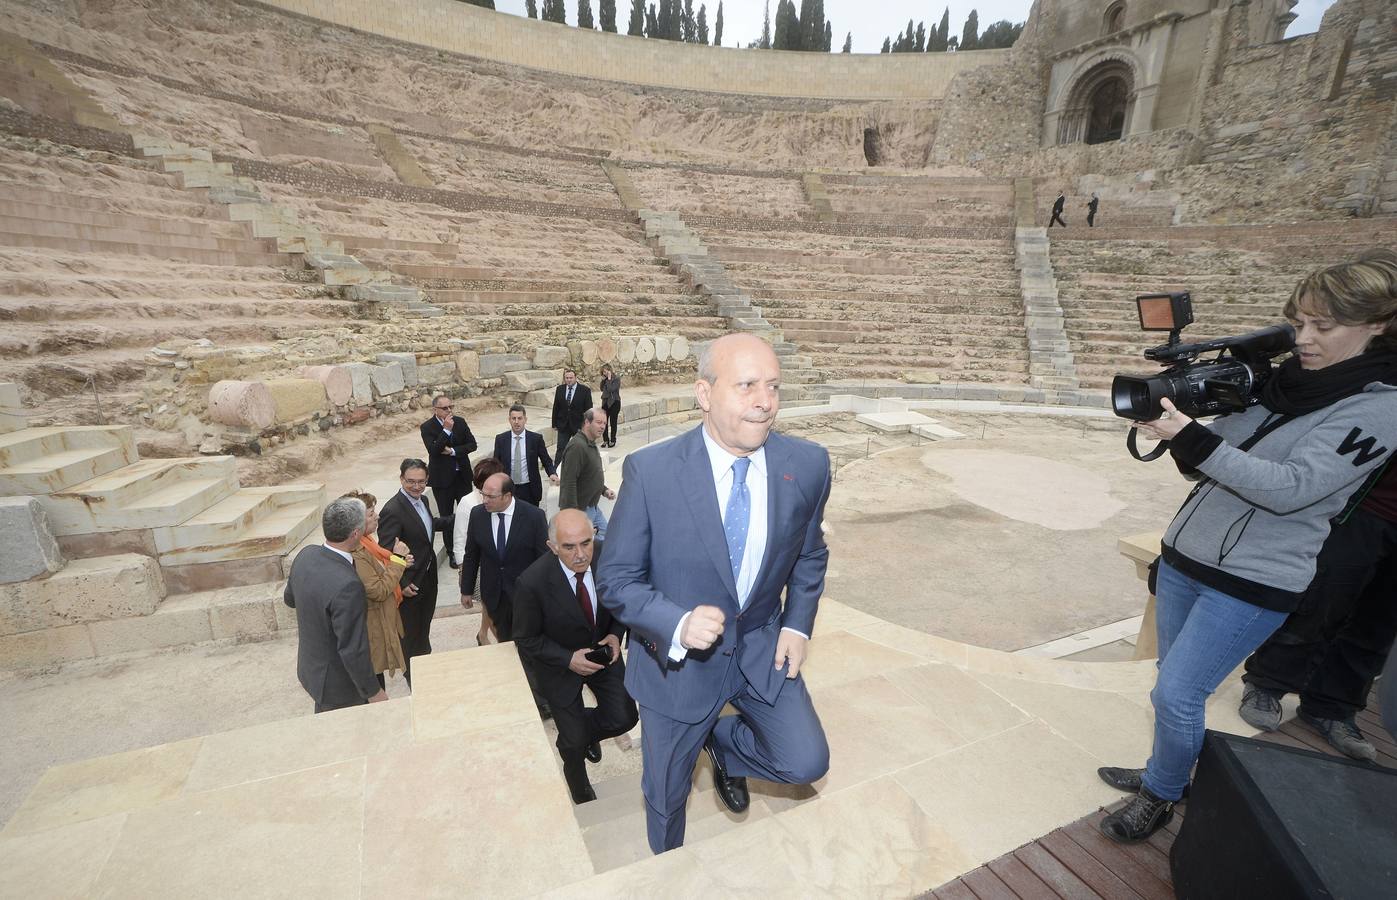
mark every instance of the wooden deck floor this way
{"type": "Point", "coordinates": [1078, 862]}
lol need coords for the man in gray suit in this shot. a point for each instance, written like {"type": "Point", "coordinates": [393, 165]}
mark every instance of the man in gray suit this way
{"type": "Point", "coordinates": [332, 659]}
{"type": "Point", "coordinates": [710, 530]}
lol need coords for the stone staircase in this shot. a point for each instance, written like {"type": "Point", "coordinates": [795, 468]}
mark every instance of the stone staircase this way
{"type": "Point", "coordinates": [1050, 362]}
{"type": "Point", "coordinates": [143, 553]}
{"type": "Point", "coordinates": [688, 258]}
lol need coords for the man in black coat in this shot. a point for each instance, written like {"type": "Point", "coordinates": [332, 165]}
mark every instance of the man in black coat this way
{"type": "Point", "coordinates": [557, 622]}
{"type": "Point", "coordinates": [1058, 206]}
{"type": "Point", "coordinates": [332, 655]}
{"type": "Point", "coordinates": [521, 452]}
{"type": "Point", "coordinates": [449, 443]}
{"type": "Point", "coordinates": [503, 538]}
{"type": "Point", "coordinates": [570, 401]}
{"type": "Point", "coordinates": [407, 516]}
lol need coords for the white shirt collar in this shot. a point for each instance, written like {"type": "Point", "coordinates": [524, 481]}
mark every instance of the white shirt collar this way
{"type": "Point", "coordinates": [721, 460]}
{"type": "Point", "coordinates": [508, 510]}
{"type": "Point", "coordinates": [347, 558]}
{"type": "Point", "coordinates": [571, 576]}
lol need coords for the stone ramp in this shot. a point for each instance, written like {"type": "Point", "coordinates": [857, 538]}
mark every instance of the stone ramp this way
{"type": "Point", "coordinates": [921, 729]}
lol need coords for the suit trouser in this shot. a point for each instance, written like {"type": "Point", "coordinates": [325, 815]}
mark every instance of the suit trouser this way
{"type": "Point", "coordinates": [613, 418]}
{"type": "Point", "coordinates": [1333, 646]}
{"type": "Point", "coordinates": [563, 437]}
{"type": "Point", "coordinates": [446, 499]}
{"type": "Point", "coordinates": [529, 492]}
{"type": "Point", "coordinates": [782, 742]}
{"type": "Point", "coordinates": [578, 726]}
{"type": "Point", "coordinates": [417, 615]}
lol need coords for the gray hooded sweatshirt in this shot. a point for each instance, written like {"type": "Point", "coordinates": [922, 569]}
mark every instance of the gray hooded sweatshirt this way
{"type": "Point", "coordinates": [1256, 521]}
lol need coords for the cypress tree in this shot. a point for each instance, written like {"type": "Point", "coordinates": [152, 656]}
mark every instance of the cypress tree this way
{"type": "Point", "coordinates": [887, 45]}
{"type": "Point", "coordinates": [805, 35]}
{"type": "Point", "coordinates": [690, 24]}
{"type": "Point", "coordinates": [676, 20]}
{"type": "Point", "coordinates": [718, 26]}
{"type": "Point", "coordinates": [920, 46]}
{"type": "Point", "coordinates": [652, 24]}
{"type": "Point", "coordinates": [555, 11]}
{"type": "Point", "coordinates": [765, 43]}
{"type": "Point", "coordinates": [663, 20]}
{"type": "Point", "coordinates": [951, 44]}
{"type": "Point", "coordinates": [584, 15]}
{"type": "Point", "coordinates": [822, 26]}
{"type": "Point", "coordinates": [848, 43]}
{"type": "Point", "coordinates": [531, 8]}
{"type": "Point", "coordinates": [636, 26]}
{"type": "Point", "coordinates": [702, 24]}
{"type": "Point", "coordinates": [943, 31]}
{"type": "Point", "coordinates": [970, 36]}
{"type": "Point", "coordinates": [829, 36]}
{"type": "Point", "coordinates": [606, 11]}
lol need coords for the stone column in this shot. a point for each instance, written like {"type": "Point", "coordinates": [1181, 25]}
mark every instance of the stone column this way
{"type": "Point", "coordinates": [1142, 116]}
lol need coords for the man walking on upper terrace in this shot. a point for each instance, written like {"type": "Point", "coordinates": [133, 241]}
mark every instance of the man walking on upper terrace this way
{"type": "Point", "coordinates": [570, 401]}
{"type": "Point", "coordinates": [1058, 205]}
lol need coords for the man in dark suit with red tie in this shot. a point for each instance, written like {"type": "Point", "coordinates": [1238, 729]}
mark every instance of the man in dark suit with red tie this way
{"type": "Point", "coordinates": [557, 623]}
{"type": "Point", "coordinates": [449, 444]}
{"type": "Point", "coordinates": [408, 516]}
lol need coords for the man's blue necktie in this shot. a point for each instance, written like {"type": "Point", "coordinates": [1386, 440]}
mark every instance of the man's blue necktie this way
{"type": "Point", "coordinates": [738, 516]}
{"type": "Point", "coordinates": [499, 537]}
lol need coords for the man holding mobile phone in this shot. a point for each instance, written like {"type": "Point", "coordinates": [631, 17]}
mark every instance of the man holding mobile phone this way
{"type": "Point", "coordinates": [571, 641]}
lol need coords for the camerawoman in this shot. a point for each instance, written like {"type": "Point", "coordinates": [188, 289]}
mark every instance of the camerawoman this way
{"type": "Point", "coordinates": [1270, 475]}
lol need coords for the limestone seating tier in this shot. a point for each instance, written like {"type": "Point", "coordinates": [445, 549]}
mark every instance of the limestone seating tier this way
{"type": "Point", "coordinates": [145, 494]}
{"type": "Point", "coordinates": [253, 522]}
{"type": "Point", "coordinates": [920, 729]}
{"type": "Point", "coordinates": [41, 461]}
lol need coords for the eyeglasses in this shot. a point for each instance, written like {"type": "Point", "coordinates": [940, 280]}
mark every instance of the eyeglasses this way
{"type": "Point", "coordinates": [443, 407]}
{"type": "Point", "coordinates": [415, 482]}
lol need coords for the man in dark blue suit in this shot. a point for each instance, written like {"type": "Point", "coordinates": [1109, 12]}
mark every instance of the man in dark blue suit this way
{"type": "Point", "coordinates": [521, 452]}
{"type": "Point", "coordinates": [709, 531]}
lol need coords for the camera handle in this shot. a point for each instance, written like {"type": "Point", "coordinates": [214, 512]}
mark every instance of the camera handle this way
{"type": "Point", "coordinates": [1130, 444]}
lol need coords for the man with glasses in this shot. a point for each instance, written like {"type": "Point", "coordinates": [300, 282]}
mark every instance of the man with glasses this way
{"type": "Point", "coordinates": [407, 516]}
{"type": "Point", "coordinates": [449, 443]}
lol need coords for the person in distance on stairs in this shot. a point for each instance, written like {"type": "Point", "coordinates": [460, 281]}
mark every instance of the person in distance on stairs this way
{"type": "Point", "coordinates": [1058, 205]}
{"type": "Point", "coordinates": [1241, 551]}
{"type": "Point", "coordinates": [564, 632]}
{"type": "Point", "coordinates": [1092, 204]}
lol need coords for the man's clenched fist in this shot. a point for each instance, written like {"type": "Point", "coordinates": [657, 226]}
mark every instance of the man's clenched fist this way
{"type": "Point", "coordinates": [702, 628]}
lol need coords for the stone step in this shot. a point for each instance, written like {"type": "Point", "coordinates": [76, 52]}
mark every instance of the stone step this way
{"type": "Point", "coordinates": [177, 235]}
{"type": "Point", "coordinates": [253, 522]}
{"type": "Point", "coordinates": [17, 215]}
{"type": "Point", "coordinates": [41, 461]}
{"type": "Point", "coordinates": [167, 251]}
{"type": "Point", "coordinates": [146, 494]}
{"type": "Point", "coordinates": [531, 380]}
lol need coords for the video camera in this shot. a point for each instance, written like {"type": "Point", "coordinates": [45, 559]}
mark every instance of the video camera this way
{"type": "Point", "coordinates": [1230, 381]}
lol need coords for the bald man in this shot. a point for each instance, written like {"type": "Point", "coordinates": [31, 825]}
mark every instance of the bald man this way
{"type": "Point", "coordinates": [558, 623]}
{"type": "Point", "coordinates": [709, 531]}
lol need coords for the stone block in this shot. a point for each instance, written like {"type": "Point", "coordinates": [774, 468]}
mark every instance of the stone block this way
{"type": "Point", "coordinates": [361, 382]}
{"type": "Point", "coordinates": [644, 350]}
{"type": "Point", "coordinates": [589, 353]}
{"type": "Point", "coordinates": [606, 350]}
{"type": "Point", "coordinates": [337, 380]}
{"type": "Point", "coordinates": [532, 379]}
{"type": "Point", "coordinates": [493, 365]}
{"type": "Point", "coordinates": [253, 618]}
{"type": "Point", "coordinates": [29, 549]}
{"type": "Point", "coordinates": [172, 628]}
{"type": "Point", "coordinates": [679, 348]}
{"type": "Point", "coordinates": [625, 350]}
{"type": "Point", "coordinates": [296, 398]}
{"type": "Point", "coordinates": [244, 404]}
{"type": "Point", "coordinates": [548, 357]}
{"type": "Point", "coordinates": [662, 349]}
{"type": "Point", "coordinates": [9, 395]}
{"type": "Point", "coordinates": [48, 647]}
{"type": "Point", "coordinates": [407, 361]}
{"type": "Point", "coordinates": [468, 365]}
{"type": "Point", "coordinates": [437, 373]}
{"type": "Point", "coordinates": [386, 380]}
{"type": "Point", "coordinates": [86, 590]}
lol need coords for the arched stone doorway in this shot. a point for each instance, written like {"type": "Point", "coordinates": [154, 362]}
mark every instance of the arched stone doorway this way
{"type": "Point", "coordinates": [1099, 106]}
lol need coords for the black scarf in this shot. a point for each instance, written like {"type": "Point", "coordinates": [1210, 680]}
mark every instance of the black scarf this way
{"type": "Point", "coordinates": [1293, 391]}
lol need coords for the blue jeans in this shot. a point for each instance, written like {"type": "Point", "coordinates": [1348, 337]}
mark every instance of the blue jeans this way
{"type": "Point", "coordinates": [598, 521]}
{"type": "Point", "coordinates": [1203, 635]}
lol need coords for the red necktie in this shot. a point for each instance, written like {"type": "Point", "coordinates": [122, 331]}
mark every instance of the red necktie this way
{"type": "Point", "coordinates": [585, 599]}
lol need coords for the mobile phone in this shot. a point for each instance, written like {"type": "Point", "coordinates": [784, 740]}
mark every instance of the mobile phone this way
{"type": "Point", "coordinates": [599, 654]}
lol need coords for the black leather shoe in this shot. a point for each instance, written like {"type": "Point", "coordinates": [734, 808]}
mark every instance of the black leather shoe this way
{"type": "Point", "coordinates": [732, 791]}
{"type": "Point", "coordinates": [1128, 780]}
{"type": "Point", "coordinates": [453, 562]}
{"type": "Point", "coordinates": [1139, 819]}
{"type": "Point", "coordinates": [585, 795]}
{"type": "Point", "coordinates": [594, 752]}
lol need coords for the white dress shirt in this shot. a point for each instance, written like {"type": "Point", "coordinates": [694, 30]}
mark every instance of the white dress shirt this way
{"type": "Point", "coordinates": [508, 514]}
{"type": "Point", "coordinates": [519, 446]}
{"type": "Point", "coordinates": [754, 553]}
{"type": "Point", "coordinates": [571, 576]}
{"type": "Point", "coordinates": [347, 558]}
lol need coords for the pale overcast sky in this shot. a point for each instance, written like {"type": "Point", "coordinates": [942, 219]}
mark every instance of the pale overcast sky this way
{"type": "Point", "coordinates": [872, 20]}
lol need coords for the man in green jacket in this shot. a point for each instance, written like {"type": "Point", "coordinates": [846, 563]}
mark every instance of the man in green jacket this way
{"type": "Point", "coordinates": [583, 481]}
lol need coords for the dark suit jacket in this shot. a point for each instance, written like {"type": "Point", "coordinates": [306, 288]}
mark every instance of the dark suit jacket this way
{"type": "Point", "coordinates": [568, 417]}
{"type": "Point", "coordinates": [332, 661]}
{"type": "Point", "coordinates": [528, 540]}
{"type": "Point", "coordinates": [549, 626]}
{"type": "Point", "coordinates": [666, 554]}
{"type": "Point", "coordinates": [535, 453]}
{"type": "Point", "coordinates": [443, 468]}
{"type": "Point", "coordinates": [397, 520]}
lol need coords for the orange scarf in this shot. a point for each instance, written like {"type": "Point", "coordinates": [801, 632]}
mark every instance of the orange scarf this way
{"type": "Point", "coordinates": [383, 555]}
